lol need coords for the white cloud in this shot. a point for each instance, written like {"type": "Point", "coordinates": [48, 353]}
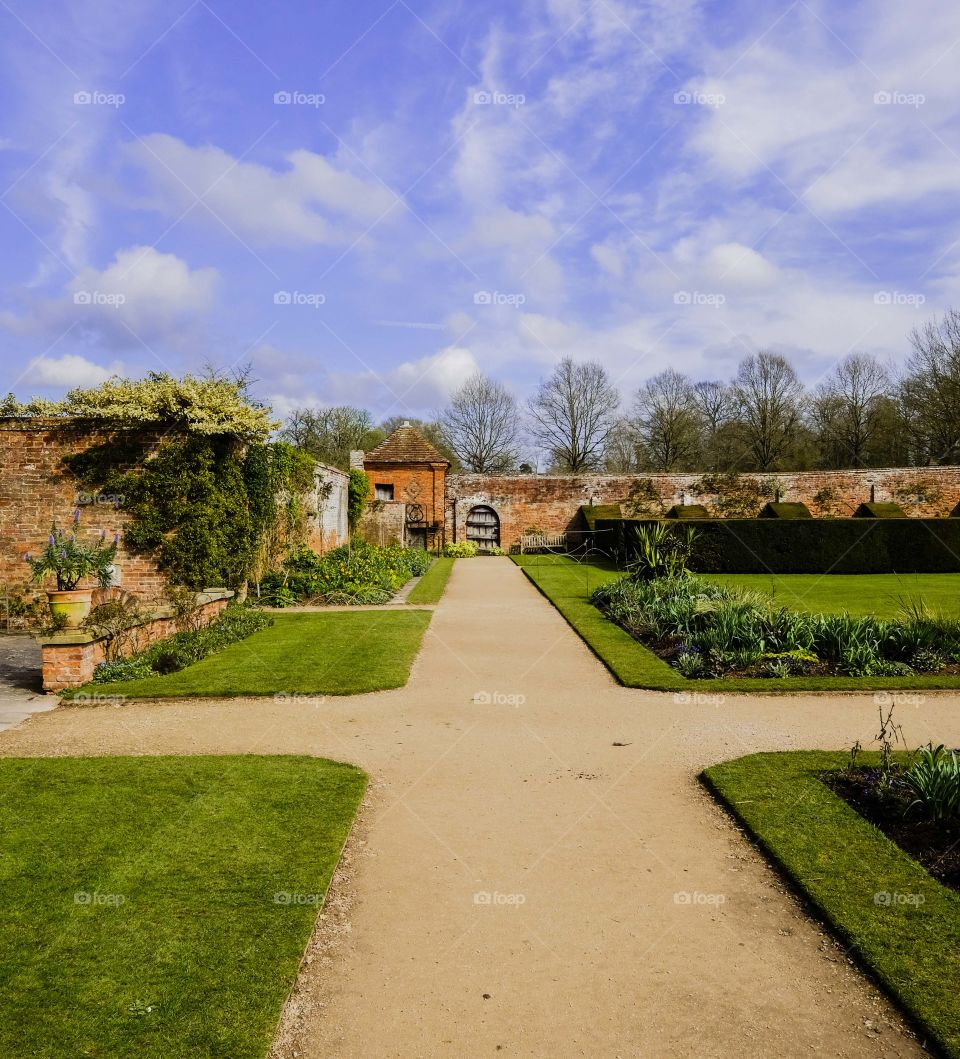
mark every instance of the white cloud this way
{"type": "Point", "coordinates": [312, 201]}
{"type": "Point", "coordinates": [68, 371]}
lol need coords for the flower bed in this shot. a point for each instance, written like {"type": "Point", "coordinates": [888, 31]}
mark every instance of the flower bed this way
{"type": "Point", "coordinates": [354, 574]}
{"type": "Point", "coordinates": [708, 630]}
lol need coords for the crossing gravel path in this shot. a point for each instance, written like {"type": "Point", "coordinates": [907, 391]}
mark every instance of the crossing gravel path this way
{"type": "Point", "coordinates": [537, 871]}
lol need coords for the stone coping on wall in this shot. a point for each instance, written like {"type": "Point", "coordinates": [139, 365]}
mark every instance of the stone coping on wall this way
{"type": "Point", "coordinates": [86, 636]}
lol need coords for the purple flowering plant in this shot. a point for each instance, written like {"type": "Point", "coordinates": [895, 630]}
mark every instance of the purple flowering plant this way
{"type": "Point", "coordinates": [70, 560]}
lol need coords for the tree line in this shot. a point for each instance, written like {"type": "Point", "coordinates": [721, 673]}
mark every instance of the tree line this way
{"type": "Point", "coordinates": [863, 413]}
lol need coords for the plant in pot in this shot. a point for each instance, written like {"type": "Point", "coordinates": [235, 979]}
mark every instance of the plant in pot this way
{"type": "Point", "coordinates": [70, 561]}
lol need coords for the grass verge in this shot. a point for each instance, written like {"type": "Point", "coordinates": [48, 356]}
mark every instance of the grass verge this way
{"type": "Point", "coordinates": [569, 584]}
{"type": "Point", "coordinates": [902, 923]}
{"type": "Point", "coordinates": [430, 587]}
{"type": "Point", "coordinates": [338, 653]}
{"type": "Point", "coordinates": [146, 909]}
{"type": "Point", "coordinates": [880, 594]}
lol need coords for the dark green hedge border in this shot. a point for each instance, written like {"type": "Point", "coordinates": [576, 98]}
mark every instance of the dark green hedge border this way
{"type": "Point", "coordinates": [841, 862]}
{"type": "Point", "coordinates": [807, 546]}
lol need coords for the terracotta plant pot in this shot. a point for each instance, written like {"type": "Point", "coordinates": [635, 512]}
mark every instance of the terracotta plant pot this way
{"type": "Point", "coordinates": [74, 606]}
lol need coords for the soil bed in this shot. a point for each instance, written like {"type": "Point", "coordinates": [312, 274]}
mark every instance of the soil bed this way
{"type": "Point", "coordinates": [934, 845]}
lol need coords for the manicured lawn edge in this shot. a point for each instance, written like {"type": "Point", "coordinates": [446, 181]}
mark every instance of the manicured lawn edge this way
{"type": "Point", "coordinates": [840, 862]}
{"type": "Point", "coordinates": [430, 587]}
{"type": "Point", "coordinates": [312, 653]}
{"type": "Point", "coordinates": [568, 584]}
{"type": "Point", "coordinates": [170, 898]}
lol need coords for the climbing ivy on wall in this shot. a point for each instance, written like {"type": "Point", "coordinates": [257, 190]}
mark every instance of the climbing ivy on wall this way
{"type": "Point", "coordinates": [212, 510]}
{"type": "Point", "coordinates": [358, 493]}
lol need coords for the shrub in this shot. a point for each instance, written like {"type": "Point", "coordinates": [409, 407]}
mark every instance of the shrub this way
{"type": "Point", "coordinates": [460, 549]}
{"type": "Point", "coordinates": [728, 629]}
{"type": "Point", "coordinates": [184, 648]}
{"type": "Point", "coordinates": [934, 780]}
{"type": "Point", "coordinates": [808, 546]}
{"type": "Point", "coordinates": [354, 573]}
{"type": "Point", "coordinates": [661, 552]}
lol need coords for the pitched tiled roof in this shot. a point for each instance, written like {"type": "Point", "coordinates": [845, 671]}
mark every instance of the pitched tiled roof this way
{"type": "Point", "coordinates": [405, 445]}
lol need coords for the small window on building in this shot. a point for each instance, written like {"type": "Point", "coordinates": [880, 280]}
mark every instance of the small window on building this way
{"type": "Point", "coordinates": [383, 491]}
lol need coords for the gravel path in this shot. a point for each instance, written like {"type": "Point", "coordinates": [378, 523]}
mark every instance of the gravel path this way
{"type": "Point", "coordinates": [520, 883]}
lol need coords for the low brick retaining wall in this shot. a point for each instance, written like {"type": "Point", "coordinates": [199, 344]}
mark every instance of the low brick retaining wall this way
{"type": "Point", "coordinates": [70, 657]}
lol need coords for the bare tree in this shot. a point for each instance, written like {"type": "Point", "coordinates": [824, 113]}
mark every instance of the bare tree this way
{"type": "Point", "coordinates": [573, 412]}
{"type": "Point", "coordinates": [620, 453]}
{"type": "Point", "coordinates": [717, 407]}
{"type": "Point", "coordinates": [849, 409]}
{"type": "Point", "coordinates": [329, 434]}
{"type": "Point", "coordinates": [481, 424]}
{"type": "Point", "coordinates": [770, 399]}
{"type": "Point", "coordinates": [667, 421]}
{"type": "Point", "coordinates": [930, 390]}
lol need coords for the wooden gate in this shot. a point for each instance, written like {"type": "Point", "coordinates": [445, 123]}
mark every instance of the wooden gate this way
{"type": "Point", "coordinates": [483, 527]}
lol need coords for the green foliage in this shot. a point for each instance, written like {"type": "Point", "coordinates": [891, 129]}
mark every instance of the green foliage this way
{"type": "Point", "coordinates": [785, 510]}
{"type": "Point", "coordinates": [735, 495]}
{"type": "Point", "coordinates": [643, 499]}
{"type": "Point", "coordinates": [661, 552]}
{"type": "Point", "coordinates": [810, 546]}
{"type": "Point", "coordinates": [688, 511]}
{"type": "Point", "coordinates": [70, 560]}
{"type": "Point", "coordinates": [358, 493]}
{"type": "Point", "coordinates": [208, 406]}
{"type": "Point", "coordinates": [212, 510]}
{"type": "Point", "coordinates": [186, 647]}
{"type": "Point", "coordinates": [886, 509]}
{"type": "Point", "coordinates": [934, 780]}
{"type": "Point", "coordinates": [354, 573]}
{"type": "Point", "coordinates": [733, 630]}
{"type": "Point", "coordinates": [460, 549]}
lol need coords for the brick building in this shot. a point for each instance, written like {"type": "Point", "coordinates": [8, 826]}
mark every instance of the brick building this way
{"type": "Point", "coordinates": [407, 489]}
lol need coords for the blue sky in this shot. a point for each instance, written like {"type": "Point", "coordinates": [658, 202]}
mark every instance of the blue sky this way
{"type": "Point", "coordinates": [369, 201]}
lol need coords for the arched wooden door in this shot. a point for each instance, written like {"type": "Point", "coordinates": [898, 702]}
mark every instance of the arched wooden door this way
{"type": "Point", "coordinates": [483, 527]}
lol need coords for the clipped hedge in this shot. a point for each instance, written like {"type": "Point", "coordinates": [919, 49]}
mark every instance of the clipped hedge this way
{"type": "Point", "coordinates": [807, 546]}
{"type": "Point", "coordinates": [880, 509]}
{"type": "Point", "coordinates": [785, 510]}
{"type": "Point", "coordinates": [688, 511]}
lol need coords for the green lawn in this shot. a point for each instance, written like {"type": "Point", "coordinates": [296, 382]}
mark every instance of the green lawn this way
{"type": "Point", "coordinates": [145, 908]}
{"type": "Point", "coordinates": [337, 653]}
{"type": "Point", "coordinates": [881, 594]}
{"type": "Point", "coordinates": [841, 862]}
{"type": "Point", "coordinates": [430, 587]}
{"type": "Point", "coordinates": [568, 585]}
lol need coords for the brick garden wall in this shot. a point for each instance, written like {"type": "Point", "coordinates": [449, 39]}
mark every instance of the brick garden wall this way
{"type": "Point", "coordinates": [550, 502]}
{"type": "Point", "coordinates": [35, 490]}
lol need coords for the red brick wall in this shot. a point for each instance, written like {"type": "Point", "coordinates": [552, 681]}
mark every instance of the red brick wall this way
{"type": "Point", "coordinates": [68, 665]}
{"type": "Point", "coordinates": [422, 484]}
{"type": "Point", "coordinates": [35, 490]}
{"type": "Point", "coordinates": [550, 502]}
